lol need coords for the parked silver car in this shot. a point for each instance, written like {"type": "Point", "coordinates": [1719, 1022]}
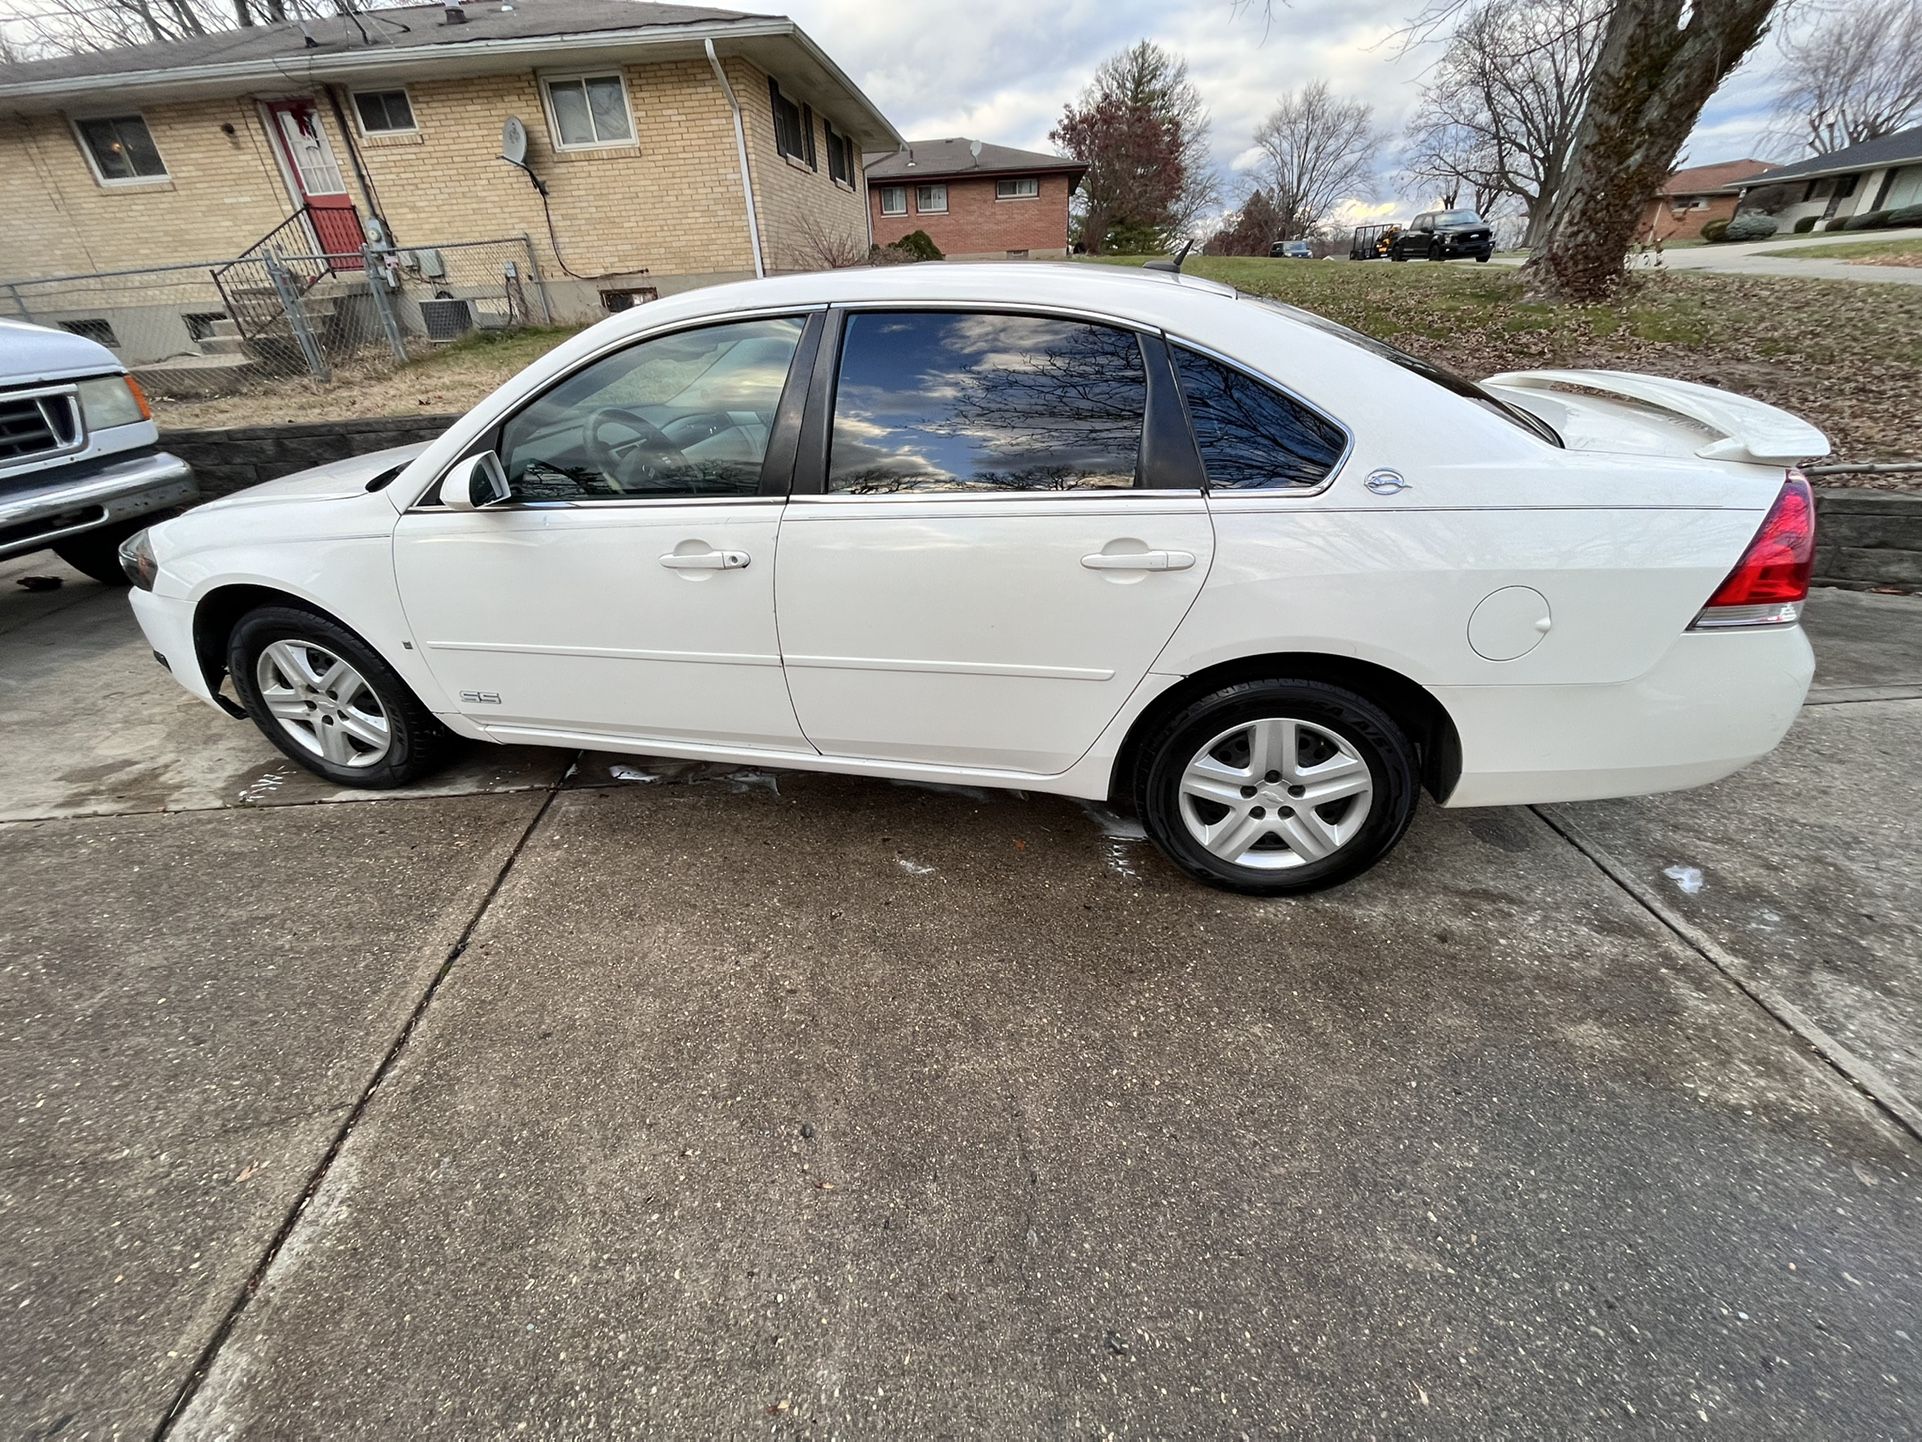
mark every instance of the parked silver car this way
{"type": "Point", "coordinates": [81, 467]}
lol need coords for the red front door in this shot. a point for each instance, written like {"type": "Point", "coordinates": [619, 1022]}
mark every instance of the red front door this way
{"type": "Point", "coordinates": [317, 180]}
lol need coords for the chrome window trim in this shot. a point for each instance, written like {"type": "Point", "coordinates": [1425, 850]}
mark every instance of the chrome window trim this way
{"type": "Point", "coordinates": [1075, 497]}
{"type": "Point", "coordinates": [1334, 471]}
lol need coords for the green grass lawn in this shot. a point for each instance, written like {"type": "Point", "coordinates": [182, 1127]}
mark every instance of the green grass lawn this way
{"type": "Point", "coordinates": [1845, 355]}
{"type": "Point", "coordinates": [1855, 250]}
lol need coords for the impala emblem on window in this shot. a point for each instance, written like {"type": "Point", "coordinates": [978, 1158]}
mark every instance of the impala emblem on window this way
{"type": "Point", "coordinates": [1386, 483]}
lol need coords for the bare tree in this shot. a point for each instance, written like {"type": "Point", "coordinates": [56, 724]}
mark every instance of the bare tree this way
{"type": "Point", "coordinates": [1146, 75]}
{"type": "Point", "coordinates": [1855, 75]}
{"type": "Point", "coordinates": [1660, 62]}
{"type": "Point", "coordinates": [69, 27]}
{"type": "Point", "coordinates": [1317, 150]}
{"type": "Point", "coordinates": [1499, 115]}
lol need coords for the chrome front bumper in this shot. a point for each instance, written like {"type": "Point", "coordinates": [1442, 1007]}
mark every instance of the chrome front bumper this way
{"type": "Point", "coordinates": [78, 498]}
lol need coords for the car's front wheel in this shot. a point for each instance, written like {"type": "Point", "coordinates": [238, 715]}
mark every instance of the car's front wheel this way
{"type": "Point", "coordinates": [1277, 786]}
{"type": "Point", "coordinates": [323, 696]}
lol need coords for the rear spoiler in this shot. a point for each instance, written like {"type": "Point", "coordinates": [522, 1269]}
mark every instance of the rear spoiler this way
{"type": "Point", "coordinates": [1749, 430]}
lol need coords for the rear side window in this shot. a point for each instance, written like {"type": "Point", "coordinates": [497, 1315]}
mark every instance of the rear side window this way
{"type": "Point", "coordinates": [967, 401]}
{"type": "Point", "coordinates": [1253, 437]}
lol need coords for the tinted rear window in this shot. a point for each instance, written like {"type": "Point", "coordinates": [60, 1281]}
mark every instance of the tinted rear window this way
{"type": "Point", "coordinates": [1252, 436]}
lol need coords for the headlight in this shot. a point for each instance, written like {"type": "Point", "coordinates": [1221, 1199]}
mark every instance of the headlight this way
{"type": "Point", "coordinates": [137, 559]}
{"type": "Point", "coordinates": [112, 401]}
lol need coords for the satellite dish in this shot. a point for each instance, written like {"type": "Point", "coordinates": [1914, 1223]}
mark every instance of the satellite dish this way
{"type": "Point", "coordinates": [514, 142]}
{"type": "Point", "coordinates": [974, 149]}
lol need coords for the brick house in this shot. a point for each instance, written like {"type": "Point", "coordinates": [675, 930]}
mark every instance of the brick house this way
{"type": "Point", "coordinates": [976, 201]}
{"type": "Point", "coordinates": [641, 119]}
{"type": "Point", "coordinates": [1691, 198]}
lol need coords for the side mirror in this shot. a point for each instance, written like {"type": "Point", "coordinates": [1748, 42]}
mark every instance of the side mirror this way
{"type": "Point", "coordinates": [475, 484]}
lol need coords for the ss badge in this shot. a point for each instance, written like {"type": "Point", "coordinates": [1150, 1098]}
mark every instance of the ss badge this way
{"type": "Point", "coordinates": [481, 698]}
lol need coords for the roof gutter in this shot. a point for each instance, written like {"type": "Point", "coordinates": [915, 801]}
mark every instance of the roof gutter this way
{"type": "Point", "coordinates": [1755, 182]}
{"type": "Point", "coordinates": [740, 151]}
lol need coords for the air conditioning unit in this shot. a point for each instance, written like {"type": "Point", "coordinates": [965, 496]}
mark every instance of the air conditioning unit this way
{"type": "Point", "coordinates": [446, 320]}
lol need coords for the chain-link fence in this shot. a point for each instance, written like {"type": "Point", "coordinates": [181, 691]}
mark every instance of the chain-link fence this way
{"type": "Point", "coordinates": [219, 327]}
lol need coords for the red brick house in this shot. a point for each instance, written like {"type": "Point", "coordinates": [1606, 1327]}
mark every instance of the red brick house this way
{"type": "Point", "coordinates": [976, 201]}
{"type": "Point", "coordinates": [1691, 198]}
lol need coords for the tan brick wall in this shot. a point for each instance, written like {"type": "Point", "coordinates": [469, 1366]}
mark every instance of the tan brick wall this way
{"type": "Point", "coordinates": [668, 205]}
{"type": "Point", "coordinates": [979, 227]}
{"type": "Point", "coordinates": [223, 192]}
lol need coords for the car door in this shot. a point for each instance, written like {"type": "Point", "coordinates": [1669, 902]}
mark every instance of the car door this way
{"type": "Point", "coordinates": [997, 523]}
{"type": "Point", "coordinates": [626, 588]}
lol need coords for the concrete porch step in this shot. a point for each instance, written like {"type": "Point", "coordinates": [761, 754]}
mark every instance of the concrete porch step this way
{"type": "Point", "coordinates": [223, 344]}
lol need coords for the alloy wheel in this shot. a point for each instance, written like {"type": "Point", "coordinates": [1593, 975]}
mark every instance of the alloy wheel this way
{"type": "Point", "coordinates": [1276, 793]}
{"type": "Point", "coordinates": [323, 703]}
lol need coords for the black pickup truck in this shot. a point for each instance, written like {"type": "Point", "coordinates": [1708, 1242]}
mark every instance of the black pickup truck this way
{"type": "Point", "coordinates": [1444, 235]}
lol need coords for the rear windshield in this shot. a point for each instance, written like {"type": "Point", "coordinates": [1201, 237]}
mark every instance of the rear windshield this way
{"type": "Point", "coordinates": [1427, 370]}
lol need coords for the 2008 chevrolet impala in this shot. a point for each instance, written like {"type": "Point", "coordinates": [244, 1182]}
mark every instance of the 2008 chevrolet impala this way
{"type": "Point", "coordinates": [1061, 528]}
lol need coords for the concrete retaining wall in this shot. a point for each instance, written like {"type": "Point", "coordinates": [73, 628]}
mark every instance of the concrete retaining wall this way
{"type": "Point", "coordinates": [1868, 538]}
{"type": "Point", "coordinates": [232, 459]}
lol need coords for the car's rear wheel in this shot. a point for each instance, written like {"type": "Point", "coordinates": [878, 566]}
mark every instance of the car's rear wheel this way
{"type": "Point", "coordinates": [1277, 786]}
{"type": "Point", "coordinates": [325, 698]}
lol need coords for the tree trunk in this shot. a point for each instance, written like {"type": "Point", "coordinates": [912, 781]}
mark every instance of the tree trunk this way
{"type": "Point", "coordinates": [1652, 79]}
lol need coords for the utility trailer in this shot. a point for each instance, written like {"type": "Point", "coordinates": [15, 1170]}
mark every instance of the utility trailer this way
{"type": "Point", "coordinates": [1373, 242]}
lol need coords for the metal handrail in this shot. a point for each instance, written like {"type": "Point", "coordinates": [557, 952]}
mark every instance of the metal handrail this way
{"type": "Point", "coordinates": [259, 247]}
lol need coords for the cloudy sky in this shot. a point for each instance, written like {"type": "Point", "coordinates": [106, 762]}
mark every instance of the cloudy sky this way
{"type": "Point", "coordinates": [1001, 70]}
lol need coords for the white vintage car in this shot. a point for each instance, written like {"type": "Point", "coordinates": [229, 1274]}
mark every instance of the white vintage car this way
{"type": "Point", "coordinates": [1070, 529]}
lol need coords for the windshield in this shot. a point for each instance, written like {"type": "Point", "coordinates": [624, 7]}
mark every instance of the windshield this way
{"type": "Point", "coordinates": [1458, 217]}
{"type": "Point", "coordinates": [1427, 370]}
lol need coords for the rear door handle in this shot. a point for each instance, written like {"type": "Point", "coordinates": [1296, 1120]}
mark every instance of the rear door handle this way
{"type": "Point", "coordinates": [1139, 561]}
{"type": "Point", "coordinates": [705, 561]}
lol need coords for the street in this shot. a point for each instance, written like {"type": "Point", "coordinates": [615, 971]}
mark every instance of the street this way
{"type": "Point", "coordinates": [601, 1095]}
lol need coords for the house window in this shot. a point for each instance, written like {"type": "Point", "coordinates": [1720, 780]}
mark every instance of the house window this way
{"type": "Point", "coordinates": [120, 148]}
{"type": "Point", "coordinates": [931, 199]}
{"type": "Point", "coordinates": [1027, 189]}
{"type": "Point", "coordinates": [588, 111]}
{"type": "Point", "coordinates": [894, 200]}
{"type": "Point", "coordinates": [200, 323]}
{"type": "Point", "coordinates": [840, 155]}
{"type": "Point", "coordinates": [384, 112]}
{"type": "Point", "coordinates": [96, 329]}
{"type": "Point", "coordinates": [1845, 186]}
{"type": "Point", "coordinates": [793, 126]}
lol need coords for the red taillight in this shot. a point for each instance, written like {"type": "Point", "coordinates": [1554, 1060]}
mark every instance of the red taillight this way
{"type": "Point", "coordinates": [1770, 582]}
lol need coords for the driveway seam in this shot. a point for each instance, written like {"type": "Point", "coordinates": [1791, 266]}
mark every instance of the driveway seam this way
{"type": "Point", "coordinates": [375, 799]}
{"type": "Point", "coordinates": [209, 1354]}
{"type": "Point", "coordinates": [1864, 1076]}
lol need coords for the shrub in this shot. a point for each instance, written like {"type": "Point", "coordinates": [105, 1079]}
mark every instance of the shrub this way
{"type": "Point", "coordinates": [1806, 224]}
{"type": "Point", "coordinates": [920, 245]}
{"type": "Point", "coordinates": [1907, 215]}
{"type": "Point", "coordinates": [1872, 220]}
{"type": "Point", "coordinates": [1838, 222]}
{"type": "Point", "coordinates": [1749, 226]}
{"type": "Point", "coordinates": [1714, 230]}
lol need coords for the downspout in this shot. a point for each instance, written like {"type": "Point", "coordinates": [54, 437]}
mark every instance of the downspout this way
{"type": "Point", "coordinates": [353, 157]}
{"type": "Point", "coordinates": [740, 151]}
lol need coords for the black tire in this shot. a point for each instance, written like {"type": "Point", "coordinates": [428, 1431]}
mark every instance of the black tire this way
{"type": "Point", "coordinates": [1483, 257]}
{"type": "Point", "coordinates": [417, 744]}
{"type": "Point", "coordinates": [1395, 252]}
{"type": "Point", "coordinates": [1370, 731]}
{"type": "Point", "coordinates": [1435, 251]}
{"type": "Point", "coordinates": [96, 553]}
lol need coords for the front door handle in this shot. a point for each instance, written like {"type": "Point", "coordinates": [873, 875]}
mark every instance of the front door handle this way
{"type": "Point", "coordinates": [705, 561]}
{"type": "Point", "coordinates": [1139, 560]}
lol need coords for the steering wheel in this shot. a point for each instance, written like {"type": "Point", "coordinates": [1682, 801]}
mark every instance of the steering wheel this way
{"type": "Point", "coordinates": [650, 461]}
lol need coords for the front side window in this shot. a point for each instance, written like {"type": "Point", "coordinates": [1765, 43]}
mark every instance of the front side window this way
{"type": "Point", "coordinates": [589, 110]}
{"type": "Point", "coordinates": [894, 200]}
{"type": "Point", "coordinates": [681, 415]}
{"type": "Point", "coordinates": [383, 112]}
{"type": "Point", "coordinates": [1252, 436]}
{"type": "Point", "coordinates": [121, 148]}
{"type": "Point", "coordinates": [931, 199]}
{"type": "Point", "coordinates": [966, 402]}
{"type": "Point", "coordinates": [1024, 189]}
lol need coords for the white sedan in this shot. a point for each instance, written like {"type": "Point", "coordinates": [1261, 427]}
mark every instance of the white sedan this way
{"type": "Point", "coordinates": [1110, 534]}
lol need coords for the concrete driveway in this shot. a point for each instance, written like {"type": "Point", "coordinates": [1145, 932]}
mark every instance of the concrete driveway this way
{"type": "Point", "coordinates": [639, 1097]}
{"type": "Point", "coordinates": [1763, 257]}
